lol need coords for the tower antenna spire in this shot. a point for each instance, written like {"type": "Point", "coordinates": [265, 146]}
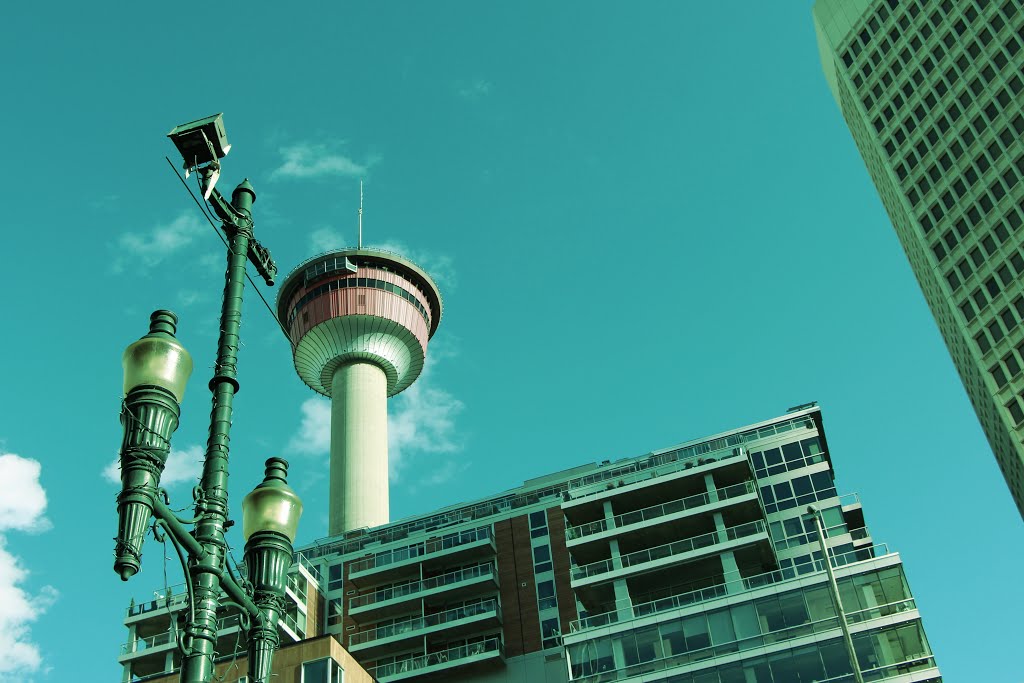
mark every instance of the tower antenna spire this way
{"type": "Point", "coordinates": [360, 213]}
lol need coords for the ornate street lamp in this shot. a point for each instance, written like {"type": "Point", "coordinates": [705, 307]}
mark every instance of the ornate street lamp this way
{"type": "Point", "coordinates": [270, 518]}
{"type": "Point", "coordinates": [156, 369]}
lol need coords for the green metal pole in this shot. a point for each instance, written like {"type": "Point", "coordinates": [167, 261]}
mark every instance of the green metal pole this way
{"type": "Point", "coordinates": [197, 664]}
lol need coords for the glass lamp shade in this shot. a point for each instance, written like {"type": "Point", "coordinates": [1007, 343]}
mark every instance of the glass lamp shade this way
{"type": "Point", "coordinates": [271, 506]}
{"type": "Point", "coordinates": [158, 359]}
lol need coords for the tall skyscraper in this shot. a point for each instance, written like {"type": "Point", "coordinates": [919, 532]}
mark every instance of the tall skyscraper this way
{"type": "Point", "coordinates": [931, 91]}
{"type": "Point", "coordinates": [359, 321]}
{"type": "Point", "coordinates": [698, 563]}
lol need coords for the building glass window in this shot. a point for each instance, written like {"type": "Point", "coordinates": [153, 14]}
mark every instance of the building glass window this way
{"type": "Point", "coordinates": [998, 375]}
{"type": "Point", "coordinates": [334, 578]}
{"type": "Point", "coordinates": [322, 671]}
{"type": "Point", "coordinates": [550, 633]}
{"type": "Point", "coordinates": [1012, 366]}
{"type": "Point", "coordinates": [538, 524]}
{"type": "Point", "coordinates": [1013, 407]}
{"type": "Point", "coordinates": [542, 559]}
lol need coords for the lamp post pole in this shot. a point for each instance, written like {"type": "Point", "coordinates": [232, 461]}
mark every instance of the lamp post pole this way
{"type": "Point", "coordinates": [212, 507]}
{"type": "Point", "coordinates": [157, 368]}
{"type": "Point", "coordinates": [833, 586]}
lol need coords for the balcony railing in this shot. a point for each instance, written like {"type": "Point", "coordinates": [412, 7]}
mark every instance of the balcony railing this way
{"type": "Point", "coordinates": [309, 567]}
{"type": "Point", "coordinates": [420, 586]}
{"type": "Point", "coordinates": [172, 596]}
{"type": "Point", "coordinates": [142, 644]}
{"type": "Point", "coordinates": [669, 550]}
{"type": "Point", "coordinates": [710, 651]}
{"type": "Point", "coordinates": [636, 472]}
{"type": "Point", "coordinates": [297, 584]}
{"type": "Point", "coordinates": [296, 623]}
{"type": "Point", "coordinates": [421, 549]}
{"type": "Point", "coordinates": [656, 511]}
{"type": "Point", "coordinates": [436, 659]}
{"type": "Point", "coordinates": [626, 611]}
{"type": "Point", "coordinates": [693, 453]}
{"type": "Point", "coordinates": [883, 673]}
{"type": "Point", "coordinates": [418, 623]}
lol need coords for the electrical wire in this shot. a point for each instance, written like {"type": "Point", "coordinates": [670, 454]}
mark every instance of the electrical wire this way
{"type": "Point", "coordinates": [213, 225]}
{"type": "Point", "coordinates": [221, 237]}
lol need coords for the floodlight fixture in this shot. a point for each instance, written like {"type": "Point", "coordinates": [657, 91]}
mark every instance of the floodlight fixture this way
{"type": "Point", "coordinates": [201, 142]}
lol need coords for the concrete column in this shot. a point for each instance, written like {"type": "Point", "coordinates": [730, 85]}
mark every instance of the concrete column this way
{"type": "Point", "coordinates": [731, 571]}
{"type": "Point", "coordinates": [359, 448]}
{"type": "Point", "coordinates": [133, 638]}
{"type": "Point", "coordinates": [720, 527]}
{"type": "Point", "coordinates": [616, 558]}
{"type": "Point", "coordinates": [609, 514]}
{"type": "Point", "coordinates": [709, 483]}
{"type": "Point", "coordinates": [623, 603]}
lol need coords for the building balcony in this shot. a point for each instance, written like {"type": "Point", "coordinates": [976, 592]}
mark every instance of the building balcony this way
{"type": "Point", "coordinates": [658, 514]}
{"type": "Point", "coordinates": [173, 598]}
{"type": "Point", "coordinates": [387, 602]}
{"type": "Point", "coordinates": [392, 565]}
{"type": "Point", "coordinates": [735, 584]}
{"type": "Point", "coordinates": [162, 642]}
{"type": "Point", "coordinates": [671, 553]}
{"type": "Point", "coordinates": [731, 463]}
{"type": "Point", "coordinates": [451, 624]}
{"type": "Point", "coordinates": [485, 652]}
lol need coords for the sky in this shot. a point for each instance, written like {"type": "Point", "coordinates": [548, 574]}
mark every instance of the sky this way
{"type": "Point", "coordinates": [648, 221]}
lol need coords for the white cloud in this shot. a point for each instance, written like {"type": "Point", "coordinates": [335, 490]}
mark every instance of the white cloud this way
{"type": "Point", "coordinates": [189, 297]}
{"type": "Point", "coordinates": [22, 508]}
{"type": "Point", "coordinates": [476, 89]}
{"type": "Point", "coordinates": [314, 435]}
{"type": "Point", "coordinates": [421, 421]}
{"type": "Point", "coordinates": [22, 498]}
{"type": "Point", "coordinates": [325, 239]}
{"type": "Point", "coordinates": [308, 160]}
{"type": "Point", "coordinates": [183, 465]}
{"type": "Point", "coordinates": [150, 247]}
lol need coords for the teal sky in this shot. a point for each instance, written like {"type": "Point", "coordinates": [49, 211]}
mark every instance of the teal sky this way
{"type": "Point", "coordinates": [648, 220]}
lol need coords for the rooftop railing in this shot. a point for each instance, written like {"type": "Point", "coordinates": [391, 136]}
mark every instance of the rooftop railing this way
{"type": "Point", "coordinates": [421, 549]}
{"type": "Point", "coordinates": [169, 597]}
{"type": "Point", "coordinates": [627, 611]}
{"type": "Point", "coordinates": [642, 471]}
{"type": "Point", "coordinates": [402, 590]}
{"type": "Point", "coordinates": [308, 565]}
{"type": "Point", "coordinates": [693, 452]}
{"type": "Point", "coordinates": [656, 511]}
{"type": "Point", "coordinates": [669, 549]}
{"type": "Point", "coordinates": [418, 623]}
{"type": "Point", "coordinates": [409, 666]}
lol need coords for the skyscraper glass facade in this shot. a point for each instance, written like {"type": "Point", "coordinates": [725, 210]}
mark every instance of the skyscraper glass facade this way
{"type": "Point", "coordinates": [931, 91]}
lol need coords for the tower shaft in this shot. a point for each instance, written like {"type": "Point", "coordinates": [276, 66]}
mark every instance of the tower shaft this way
{"type": "Point", "coordinates": [359, 448]}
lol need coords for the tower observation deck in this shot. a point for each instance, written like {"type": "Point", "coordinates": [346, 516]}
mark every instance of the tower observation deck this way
{"type": "Point", "coordinates": [359, 321]}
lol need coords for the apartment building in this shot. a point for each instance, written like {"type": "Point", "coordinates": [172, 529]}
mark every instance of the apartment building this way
{"type": "Point", "coordinates": [698, 563]}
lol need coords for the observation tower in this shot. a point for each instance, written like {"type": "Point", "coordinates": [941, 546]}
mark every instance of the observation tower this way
{"type": "Point", "coordinates": [359, 321]}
